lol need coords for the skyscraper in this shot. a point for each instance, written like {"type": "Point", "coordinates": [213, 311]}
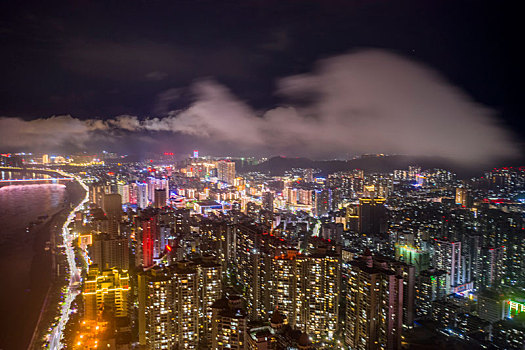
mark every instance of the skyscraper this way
{"type": "Point", "coordinates": [112, 206]}
{"type": "Point", "coordinates": [161, 198]}
{"type": "Point", "coordinates": [185, 283]}
{"type": "Point", "coordinates": [229, 324]}
{"type": "Point", "coordinates": [305, 288]}
{"type": "Point", "coordinates": [109, 252]}
{"type": "Point", "coordinates": [374, 308]}
{"type": "Point", "coordinates": [447, 257]}
{"type": "Point", "coordinates": [322, 295]}
{"type": "Point", "coordinates": [372, 216]}
{"type": "Point", "coordinates": [431, 285]}
{"type": "Point", "coordinates": [96, 193]}
{"type": "Point", "coordinates": [408, 273]}
{"type": "Point", "coordinates": [322, 202]}
{"type": "Point", "coordinates": [142, 195]}
{"type": "Point", "coordinates": [124, 190]}
{"type": "Point", "coordinates": [492, 266]}
{"type": "Point", "coordinates": [149, 240]}
{"type": "Point", "coordinates": [106, 290]}
{"type": "Point", "coordinates": [267, 201]}
{"type": "Point", "coordinates": [461, 196]}
{"type": "Point", "coordinates": [156, 309]}
{"type": "Point", "coordinates": [210, 290]}
{"type": "Point", "coordinates": [175, 303]}
{"type": "Point", "coordinates": [288, 290]}
{"type": "Point", "coordinates": [226, 171]}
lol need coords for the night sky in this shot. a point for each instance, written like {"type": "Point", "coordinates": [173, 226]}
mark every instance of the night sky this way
{"type": "Point", "coordinates": [100, 60]}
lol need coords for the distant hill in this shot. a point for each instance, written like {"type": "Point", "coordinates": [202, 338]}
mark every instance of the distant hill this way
{"type": "Point", "coordinates": [279, 165]}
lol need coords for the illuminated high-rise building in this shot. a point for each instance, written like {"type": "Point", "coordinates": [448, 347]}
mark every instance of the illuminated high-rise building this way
{"type": "Point", "coordinates": [321, 202]}
{"type": "Point", "coordinates": [150, 239]}
{"type": "Point", "coordinates": [229, 324]}
{"type": "Point", "coordinates": [157, 328]}
{"type": "Point", "coordinates": [107, 291]}
{"type": "Point", "coordinates": [142, 195]}
{"type": "Point", "coordinates": [185, 283]}
{"type": "Point", "coordinates": [369, 191]}
{"type": "Point", "coordinates": [374, 309]}
{"type": "Point", "coordinates": [175, 303]}
{"type": "Point", "coordinates": [267, 201]}
{"type": "Point", "coordinates": [304, 196]}
{"type": "Point", "coordinates": [447, 257]}
{"type": "Point", "coordinates": [287, 290]}
{"type": "Point", "coordinates": [124, 190]}
{"type": "Point", "coordinates": [507, 231]}
{"type": "Point", "coordinates": [291, 195]}
{"type": "Point", "coordinates": [431, 285]}
{"type": "Point", "coordinates": [492, 266]}
{"type": "Point", "coordinates": [408, 273]}
{"type": "Point", "coordinates": [305, 288]}
{"type": "Point", "coordinates": [322, 296]}
{"type": "Point", "coordinates": [210, 290]}
{"type": "Point", "coordinates": [96, 193]}
{"type": "Point", "coordinates": [461, 196]}
{"type": "Point", "coordinates": [413, 171]}
{"type": "Point", "coordinates": [133, 193]}
{"type": "Point", "coordinates": [226, 171]}
{"type": "Point", "coordinates": [249, 267]}
{"type": "Point", "coordinates": [45, 159]}
{"type": "Point", "coordinates": [352, 218]}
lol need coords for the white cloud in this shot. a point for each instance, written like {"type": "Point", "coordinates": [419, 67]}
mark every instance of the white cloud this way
{"type": "Point", "coordinates": [369, 101]}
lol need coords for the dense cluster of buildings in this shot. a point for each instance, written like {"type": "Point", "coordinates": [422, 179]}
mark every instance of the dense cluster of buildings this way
{"type": "Point", "coordinates": [193, 255]}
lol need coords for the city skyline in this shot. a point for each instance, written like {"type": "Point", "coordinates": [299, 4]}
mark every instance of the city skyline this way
{"type": "Point", "coordinates": [262, 175]}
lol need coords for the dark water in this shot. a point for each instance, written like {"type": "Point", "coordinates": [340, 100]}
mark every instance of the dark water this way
{"type": "Point", "coordinates": [25, 267]}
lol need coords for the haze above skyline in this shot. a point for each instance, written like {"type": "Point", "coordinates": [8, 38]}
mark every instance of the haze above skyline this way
{"type": "Point", "coordinates": [262, 78]}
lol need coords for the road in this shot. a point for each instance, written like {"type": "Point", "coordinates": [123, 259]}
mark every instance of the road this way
{"type": "Point", "coordinates": [73, 289]}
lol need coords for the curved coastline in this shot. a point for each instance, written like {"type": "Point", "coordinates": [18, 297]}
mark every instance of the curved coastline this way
{"type": "Point", "coordinates": [46, 274]}
{"type": "Point", "coordinates": [72, 290]}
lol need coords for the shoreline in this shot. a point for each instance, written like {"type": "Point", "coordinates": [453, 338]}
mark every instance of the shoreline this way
{"type": "Point", "coordinates": [71, 290]}
{"type": "Point", "coordinates": [27, 325]}
{"type": "Point", "coordinates": [22, 315]}
{"type": "Point", "coordinates": [60, 270]}
{"type": "Point", "coordinates": [43, 260]}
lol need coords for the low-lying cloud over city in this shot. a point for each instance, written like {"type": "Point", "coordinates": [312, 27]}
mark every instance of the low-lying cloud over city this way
{"type": "Point", "coordinates": [371, 101]}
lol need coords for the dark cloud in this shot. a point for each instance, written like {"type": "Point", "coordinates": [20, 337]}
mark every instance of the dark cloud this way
{"type": "Point", "coordinates": [371, 101]}
{"type": "Point", "coordinates": [102, 59]}
{"type": "Point", "coordinates": [156, 75]}
{"type": "Point", "coordinates": [164, 101]}
{"type": "Point", "coordinates": [134, 61]}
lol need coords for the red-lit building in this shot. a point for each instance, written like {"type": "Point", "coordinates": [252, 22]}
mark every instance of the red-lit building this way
{"type": "Point", "coordinates": [149, 237]}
